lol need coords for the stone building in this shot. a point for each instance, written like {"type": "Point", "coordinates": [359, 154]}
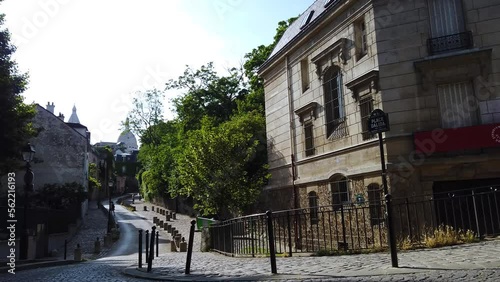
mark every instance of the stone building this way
{"type": "Point", "coordinates": [62, 149]}
{"type": "Point", "coordinates": [432, 65]}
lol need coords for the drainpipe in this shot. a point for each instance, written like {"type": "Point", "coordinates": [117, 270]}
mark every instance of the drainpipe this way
{"type": "Point", "coordinates": [297, 227]}
{"type": "Point", "coordinates": [291, 131]}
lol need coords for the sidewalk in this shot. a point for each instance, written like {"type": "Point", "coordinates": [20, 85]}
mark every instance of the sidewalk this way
{"type": "Point", "coordinates": [94, 225]}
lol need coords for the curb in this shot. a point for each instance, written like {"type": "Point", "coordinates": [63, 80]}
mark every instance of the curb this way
{"type": "Point", "coordinates": [34, 265]}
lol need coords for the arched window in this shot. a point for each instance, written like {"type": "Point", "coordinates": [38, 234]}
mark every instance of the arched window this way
{"type": "Point", "coordinates": [334, 103]}
{"type": "Point", "coordinates": [313, 207]}
{"type": "Point", "coordinates": [340, 192]}
{"type": "Point", "coordinates": [375, 202]}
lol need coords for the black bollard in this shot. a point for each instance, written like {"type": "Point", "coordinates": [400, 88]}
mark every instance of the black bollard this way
{"type": "Point", "coordinates": [271, 241]}
{"type": "Point", "coordinates": [147, 246]}
{"type": "Point", "coordinates": [157, 242]}
{"type": "Point", "coordinates": [140, 248]}
{"type": "Point", "coordinates": [190, 247]}
{"type": "Point", "coordinates": [65, 248]}
{"type": "Point", "coordinates": [151, 251]}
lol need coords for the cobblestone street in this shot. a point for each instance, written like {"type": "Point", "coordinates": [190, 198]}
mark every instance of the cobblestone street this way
{"type": "Point", "coordinates": [473, 262]}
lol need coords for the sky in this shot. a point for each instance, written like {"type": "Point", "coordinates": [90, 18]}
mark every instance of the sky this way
{"type": "Point", "coordinates": [96, 54]}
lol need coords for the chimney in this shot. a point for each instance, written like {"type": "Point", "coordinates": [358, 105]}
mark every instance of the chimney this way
{"type": "Point", "coordinates": [50, 107]}
{"type": "Point", "coordinates": [61, 116]}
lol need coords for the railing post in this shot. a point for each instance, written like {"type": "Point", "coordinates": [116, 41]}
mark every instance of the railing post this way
{"type": "Point", "coordinates": [152, 249]}
{"type": "Point", "coordinates": [408, 219]}
{"type": "Point", "coordinates": [65, 248]}
{"type": "Point", "coordinates": [140, 248]}
{"type": "Point", "coordinates": [190, 248]}
{"type": "Point", "coordinates": [289, 233]}
{"type": "Point", "coordinates": [344, 237]}
{"type": "Point", "coordinates": [157, 242]}
{"type": "Point", "coordinates": [475, 214]}
{"type": "Point", "coordinates": [271, 241]}
{"type": "Point", "coordinates": [147, 245]}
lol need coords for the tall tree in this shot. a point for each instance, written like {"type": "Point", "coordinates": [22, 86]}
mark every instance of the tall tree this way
{"type": "Point", "coordinates": [15, 116]}
{"type": "Point", "coordinates": [146, 114]}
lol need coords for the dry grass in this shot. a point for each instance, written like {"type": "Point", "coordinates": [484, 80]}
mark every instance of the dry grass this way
{"type": "Point", "coordinates": [446, 235]}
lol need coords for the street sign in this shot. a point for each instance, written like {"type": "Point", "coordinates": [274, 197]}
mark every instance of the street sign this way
{"type": "Point", "coordinates": [378, 121]}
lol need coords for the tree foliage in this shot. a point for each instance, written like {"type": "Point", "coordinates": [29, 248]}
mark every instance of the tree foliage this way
{"type": "Point", "coordinates": [15, 116]}
{"type": "Point", "coordinates": [214, 151]}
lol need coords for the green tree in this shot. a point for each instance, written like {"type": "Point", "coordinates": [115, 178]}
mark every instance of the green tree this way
{"type": "Point", "coordinates": [15, 116]}
{"type": "Point", "coordinates": [222, 166]}
{"type": "Point", "coordinates": [207, 94]}
{"type": "Point", "coordinates": [147, 112]}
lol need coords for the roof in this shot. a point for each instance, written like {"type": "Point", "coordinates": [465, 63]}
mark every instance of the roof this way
{"type": "Point", "coordinates": [302, 26]}
{"type": "Point", "coordinates": [74, 117]}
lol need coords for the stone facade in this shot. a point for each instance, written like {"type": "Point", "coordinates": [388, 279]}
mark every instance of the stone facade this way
{"type": "Point", "coordinates": [391, 55]}
{"type": "Point", "coordinates": [62, 153]}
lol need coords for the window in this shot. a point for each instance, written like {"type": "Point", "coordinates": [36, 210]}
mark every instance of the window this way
{"type": "Point", "coordinates": [375, 203]}
{"type": "Point", "coordinates": [309, 139]}
{"type": "Point", "coordinates": [304, 73]}
{"type": "Point", "coordinates": [340, 192]}
{"type": "Point", "coordinates": [307, 19]}
{"type": "Point", "coordinates": [313, 207]}
{"type": "Point", "coordinates": [446, 17]}
{"type": "Point", "coordinates": [457, 105]}
{"type": "Point", "coordinates": [447, 23]}
{"type": "Point", "coordinates": [334, 104]}
{"type": "Point", "coordinates": [361, 38]}
{"type": "Point", "coordinates": [365, 109]}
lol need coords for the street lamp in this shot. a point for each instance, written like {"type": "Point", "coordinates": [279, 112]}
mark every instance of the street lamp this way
{"type": "Point", "coordinates": [28, 153]}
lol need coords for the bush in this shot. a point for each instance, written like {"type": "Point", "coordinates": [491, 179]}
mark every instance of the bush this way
{"type": "Point", "coordinates": [57, 196]}
{"type": "Point", "coordinates": [446, 235]}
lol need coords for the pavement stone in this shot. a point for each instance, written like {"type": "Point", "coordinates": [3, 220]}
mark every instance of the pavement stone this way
{"type": "Point", "coordinates": [181, 223]}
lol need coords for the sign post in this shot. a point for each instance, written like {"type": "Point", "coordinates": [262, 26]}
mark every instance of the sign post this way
{"type": "Point", "coordinates": [378, 122]}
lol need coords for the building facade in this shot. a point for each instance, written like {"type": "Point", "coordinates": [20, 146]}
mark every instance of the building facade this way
{"type": "Point", "coordinates": [432, 65]}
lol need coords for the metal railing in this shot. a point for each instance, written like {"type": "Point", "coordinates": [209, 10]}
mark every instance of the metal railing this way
{"type": "Point", "coordinates": [450, 42]}
{"type": "Point", "coordinates": [358, 226]}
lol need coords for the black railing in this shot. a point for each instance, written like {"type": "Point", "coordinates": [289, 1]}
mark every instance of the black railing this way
{"type": "Point", "coordinates": [458, 41]}
{"type": "Point", "coordinates": [357, 227]}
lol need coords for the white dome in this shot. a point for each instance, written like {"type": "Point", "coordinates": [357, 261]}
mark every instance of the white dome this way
{"type": "Point", "coordinates": [128, 138]}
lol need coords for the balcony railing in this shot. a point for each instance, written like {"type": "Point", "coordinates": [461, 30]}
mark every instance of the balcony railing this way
{"type": "Point", "coordinates": [451, 42]}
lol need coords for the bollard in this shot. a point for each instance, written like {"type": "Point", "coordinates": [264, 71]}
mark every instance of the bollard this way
{"type": "Point", "coordinates": [152, 248]}
{"type": "Point", "coordinates": [97, 246]}
{"type": "Point", "coordinates": [169, 228]}
{"type": "Point", "coordinates": [173, 215]}
{"type": "Point", "coordinates": [157, 242]}
{"type": "Point", "coordinates": [172, 230]}
{"type": "Point", "coordinates": [155, 219]}
{"type": "Point", "coordinates": [140, 248]}
{"type": "Point", "coordinates": [78, 253]}
{"type": "Point", "coordinates": [271, 242]}
{"type": "Point", "coordinates": [183, 245]}
{"type": "Point", "coordinates": [65, 248]}
{"type": "Point", "coordinates": [145, 208]}
{"type": "Point", "coordinates": [168, 217]}
{"type": "Point", "coordinates": [152, 208]}
{"type": "Point", "coordinates": [173, 247]}
{"type": "Point", "coordinates": [177, 239]}
{"type": "Point", "coordinates": [165, 225]}
{"type": "Point", "coordinates": [147, 246]}
{"type": "Point", "coordinates": [190, 248]}
{"type": "Point", "coordinates": [161, 223]}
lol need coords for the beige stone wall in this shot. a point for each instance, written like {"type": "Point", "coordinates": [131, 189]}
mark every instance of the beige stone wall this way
{"type": "Point", "coordinates": [406, 88]}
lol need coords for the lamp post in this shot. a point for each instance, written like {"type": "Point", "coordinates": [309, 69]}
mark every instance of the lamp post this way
{"type": "Point", "coordinates": [109, 206]}
{"type": "Point", "coordinates": [28, 153]}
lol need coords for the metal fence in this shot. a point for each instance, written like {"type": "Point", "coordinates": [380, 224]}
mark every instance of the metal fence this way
{"type": "Point", "coordinates": [358, 226]}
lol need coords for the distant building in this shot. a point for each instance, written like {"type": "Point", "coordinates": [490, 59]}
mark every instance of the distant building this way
{"type": "Point", "coordinates": [125, 152]}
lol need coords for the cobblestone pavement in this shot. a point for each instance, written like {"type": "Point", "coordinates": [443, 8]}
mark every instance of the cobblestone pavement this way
{"type": "Point", "coordinates": [181, 223]}
{"type": "Point", "coordinates": [94, 226]}
{"type": "Point", "coordinates": [473, 262]}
